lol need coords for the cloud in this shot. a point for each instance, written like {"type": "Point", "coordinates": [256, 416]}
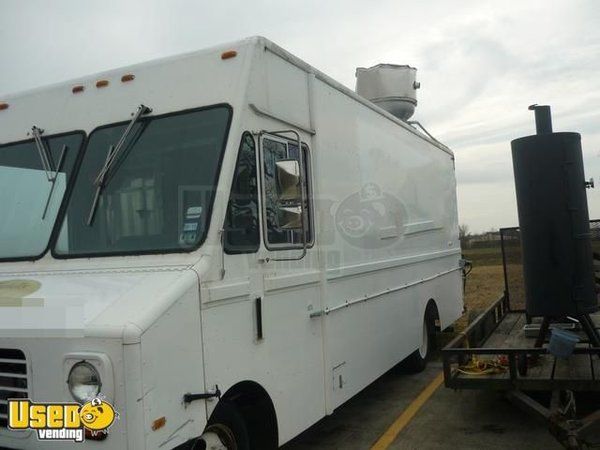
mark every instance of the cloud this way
{"type": "Point", "coordinates": [481, 62]}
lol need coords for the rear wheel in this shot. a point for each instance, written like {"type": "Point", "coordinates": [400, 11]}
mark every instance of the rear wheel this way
{"type": "Point", "coordinates": [417, 360]}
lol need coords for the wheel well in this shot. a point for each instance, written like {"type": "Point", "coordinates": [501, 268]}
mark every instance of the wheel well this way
{"type": "Point", "coordinates": [431, 312]}
{"type": "Point", "coordinates": [256, 407]}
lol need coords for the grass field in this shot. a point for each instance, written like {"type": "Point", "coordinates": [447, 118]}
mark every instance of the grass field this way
{"type": "Point", "coordinates": [485, 283]}
{"type": "Point", "coordinates": [488, 256]}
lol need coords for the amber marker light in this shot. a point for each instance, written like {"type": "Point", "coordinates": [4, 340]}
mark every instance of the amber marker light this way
{"type": "Point", "coordinates": [159, 423]}
{"type": "Point", "coordinates": [3, 106]}
{"type": "Point", "coordinates": [101, 83]}
{"type": "Point", "coordinates": [77, 89]}
{"type": "Point", "coordinates": [228, 54]}
{"type": "Point", "coordinates": [128, 77]}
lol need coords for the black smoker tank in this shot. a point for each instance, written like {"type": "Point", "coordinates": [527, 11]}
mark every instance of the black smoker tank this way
{"type": "Point", "coordinates": [554, 221]}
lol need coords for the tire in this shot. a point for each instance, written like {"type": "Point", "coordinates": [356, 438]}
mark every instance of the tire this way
{"type": "Point", "coordinates": [417, 360]}
{"type": "Point", "coordinates": [227, 422]}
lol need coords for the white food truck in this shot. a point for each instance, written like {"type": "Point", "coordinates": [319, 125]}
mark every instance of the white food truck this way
{"type": "Point", "coordinates": [225, 245]}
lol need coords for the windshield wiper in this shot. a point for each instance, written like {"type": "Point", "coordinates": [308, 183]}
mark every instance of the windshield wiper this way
{"type": "Point", "coordinates": [48, 163]}
{"type": "Point", "coordinates": [61, 161]}
{"type": "Point", "coordinates": [111, 157]}
{"type": "Point", "coordinates": [45, 155]}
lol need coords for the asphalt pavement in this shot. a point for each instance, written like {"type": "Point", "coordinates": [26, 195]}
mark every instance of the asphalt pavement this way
{"type": "Point", "coordinates": [447, 420]}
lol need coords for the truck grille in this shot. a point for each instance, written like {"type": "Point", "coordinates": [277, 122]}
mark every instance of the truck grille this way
{"type": "Point", "coordinates": [13, 380]}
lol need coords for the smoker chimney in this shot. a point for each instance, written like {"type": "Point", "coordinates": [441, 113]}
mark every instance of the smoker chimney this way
{"type": "Point", "coordinates": [543, 119]}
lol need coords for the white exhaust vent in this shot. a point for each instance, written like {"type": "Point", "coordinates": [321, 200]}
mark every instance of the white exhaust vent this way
{"type": "Point", "coordinates": [389, 86]}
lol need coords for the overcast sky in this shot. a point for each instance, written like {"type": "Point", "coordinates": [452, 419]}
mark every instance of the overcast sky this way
{"type": "Point", "coordinates": [481, 63]}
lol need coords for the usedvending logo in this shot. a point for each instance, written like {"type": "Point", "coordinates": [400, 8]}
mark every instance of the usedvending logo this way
{"type": "Point", "coordinates": [61, 421]}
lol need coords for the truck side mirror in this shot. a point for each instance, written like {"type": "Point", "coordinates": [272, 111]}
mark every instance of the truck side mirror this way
{"type": "Point", "coordinates": [289, 194]}
{"type": "Point", "coordinates": [288, 181]}
{"type": "Point", "coordinates": [290, 217]}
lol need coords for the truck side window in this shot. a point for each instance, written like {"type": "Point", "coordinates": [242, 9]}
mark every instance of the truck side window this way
{"type": "Point", "coordinates": [277, 237]}
{"type": "Point", "coordinates": [241, 223]}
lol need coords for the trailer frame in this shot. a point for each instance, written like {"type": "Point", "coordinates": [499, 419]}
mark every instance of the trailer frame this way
{"type": "Point", "coordinates": [519, 387]}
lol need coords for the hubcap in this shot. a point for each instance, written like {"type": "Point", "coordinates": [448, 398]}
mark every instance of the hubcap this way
{"type": "Point", "coordinates": [220, 437]}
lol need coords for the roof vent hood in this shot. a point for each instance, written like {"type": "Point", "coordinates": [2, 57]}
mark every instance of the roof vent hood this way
{"type": "Point", "coordinates": [389, 86]}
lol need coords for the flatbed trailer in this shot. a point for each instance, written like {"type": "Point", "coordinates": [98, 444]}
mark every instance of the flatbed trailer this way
{"type": "Point", "coordinates": [496, 353]}
{"type": "Point", "coordinates": [499, 331]}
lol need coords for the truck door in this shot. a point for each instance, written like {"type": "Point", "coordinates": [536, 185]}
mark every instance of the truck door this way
{"type": "Point", "coordinates": [291, 276]}
{"type": "Point", "coordinates": [241, 231]}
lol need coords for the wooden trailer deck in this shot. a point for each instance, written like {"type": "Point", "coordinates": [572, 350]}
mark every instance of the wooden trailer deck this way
{"type": "Point", "coordinates": [498, 336]}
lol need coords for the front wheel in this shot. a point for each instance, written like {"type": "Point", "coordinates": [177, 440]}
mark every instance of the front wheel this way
{"type": "Point", "coordinates": [417, 360]}
{"type": "Point", "coordinates": [228, 424]}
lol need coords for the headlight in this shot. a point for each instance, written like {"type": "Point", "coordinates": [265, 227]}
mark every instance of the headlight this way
{"type": "Point", "coordinates": [84, 381]}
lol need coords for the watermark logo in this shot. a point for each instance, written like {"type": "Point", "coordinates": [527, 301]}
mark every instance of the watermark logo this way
{"type": "Point", "coordinates": [61, 421]}
{"type": "Point", "coordinates": [370, 218]}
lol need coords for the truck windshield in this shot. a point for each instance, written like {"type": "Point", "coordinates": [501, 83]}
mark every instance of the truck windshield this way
{"type": "Point", "coordinates": [157, 197]}
{"type": "Point", "coordinates": [31, 192]}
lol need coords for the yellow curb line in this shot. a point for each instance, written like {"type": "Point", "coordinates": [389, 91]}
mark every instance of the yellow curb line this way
{"type": "Point", "coordinates": [407, 415]}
